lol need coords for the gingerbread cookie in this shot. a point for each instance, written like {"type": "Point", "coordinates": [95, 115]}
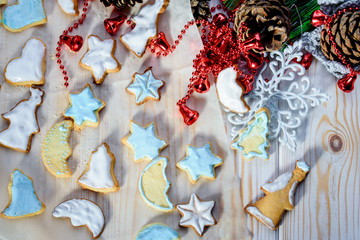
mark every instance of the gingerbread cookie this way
{"type": "Point", "coordinates": [69, 6]}
{"type": "Point", "coordinates": [157, 231]}
{"type": "Point", "coordinates": [230, 93]}
{"type": "Point", "coordinates": [196, 214]}
{"type": "Point", "coordinates": [82, 212]}
{"type": "Point", "coordinates": [252, 141]}
{"type": "Point", "coordinates": [145, 27]}
{"type": "Point", "coordinates": [99, 58]}
{"type": "Point", "coordinates": [56, 149]}
{"type": "Point", "coordinates": [24, 14]}
{"type": "Point", "coordinates": [154, 185]}
{"type": "Point", "coordinates": [144, 141]}
{"type": "Point", "coordinates": [29, 68]}
{"type": "Point", "coordinates": [23, 199]}
{"type": "Point", "coordinates": [99, 175]}
{"type": "Point", "coordinates": [200, 162]}
{"type": "Point", "coordinates": [145, 87]}
{"type": "Point", "coordinates": [23, 123]}
{"type": "Point", "coordinates": [279, 196]}
{"type": "Point", "coordinates": [84, 108]}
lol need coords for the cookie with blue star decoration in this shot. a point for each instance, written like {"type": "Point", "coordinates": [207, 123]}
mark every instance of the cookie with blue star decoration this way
{"type": "Point", "coordinates": [145, 87]}
{"type": "Point", "coordinates": [252, 141]}
{"type": "Point", "coordinates": [200, 162]}
{"type": "Point", "coordinates": [144, 141]}
{"type": "Point", "coordinates": [84, 108]}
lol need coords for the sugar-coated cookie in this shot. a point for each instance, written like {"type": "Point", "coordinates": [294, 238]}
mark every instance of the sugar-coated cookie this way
{"type": "Point", "coordinates": [145, 87]}
{"type": "Point", "coordinates": [200, 162]}
{"type": "Point", "coordinates": [29, 68]}
{"type": "Point", "coordinates": [154, 185]}
{"type": "Point", "coordinates": [23, 200]}
{"type": "Point", "coordinates": [230, 93]}
{"type": "Point", "coordinates": [23, 123]}
{"type": "Point", "coordinates": [56, 149]}
{"type": "Point", "coordinates": [99, 58]}
{"type": "Point", "coordinates": [157, 231]}
{"type": "Point", "coordinates": [279, 196]}
{"type": "Point", "coordinates": [82, 212]}
{"type": "Point", "coordinates": [99, 175]}
{"type": "Point", "coordinates": [252, 141]}
{"type": "Point", "coordinates": [144, 141]}
{"type": "Point", "coordinates": [24, 14]}
{"type": "Point", "coordinates": [196, 214]}
{"type": "Point", "coordinates": [145, 27]}
{"type": "Point", "coordinates": [69, 6]}
{"type": "Point", "coordinates": [84, 108]}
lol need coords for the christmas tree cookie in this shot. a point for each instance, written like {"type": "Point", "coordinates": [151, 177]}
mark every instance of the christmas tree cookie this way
{"type": "Point", "coordinates": [252, 141]}
{"type": "Point", "coordinates": [23, 200]}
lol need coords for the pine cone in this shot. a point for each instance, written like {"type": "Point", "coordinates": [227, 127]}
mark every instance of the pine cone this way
{"type": "Point", "coordinates": [200, 9]}
{"type": "Point", "coordinates": [120, 3]}
{"type": "Point", "coordinates": [346, 32]}
{"type": "Point", "coordinates": [269, 18]}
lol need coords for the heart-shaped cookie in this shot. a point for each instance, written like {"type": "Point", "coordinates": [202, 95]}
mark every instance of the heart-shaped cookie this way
{"type": "Point", "coordinates": [29, 68]}
{"type": "Point", "coordinates": [24, 14]}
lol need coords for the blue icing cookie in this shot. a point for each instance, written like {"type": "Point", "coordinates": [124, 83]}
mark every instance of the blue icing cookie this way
{"type": "Point", "coordinates": [25, 14]}
{"type": "Point", "coordinates": [84, 108]}
{"type": "Point", "coordinates": [157, 231]}
{"type": "Point", "coordinates": [145, 86]}
{"type": "Point", "coordinates": [23, 199]}
{"type": "Point", "coordinates": [144, 141]}
{"type": "Point", "coordinates": [200, 161]}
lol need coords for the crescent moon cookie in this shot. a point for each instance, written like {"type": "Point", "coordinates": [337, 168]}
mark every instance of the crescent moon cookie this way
{"type": "Point", "coordinates": [56, 149]}
{"type": "Point", "coordinates": [279, 196]}
{"type": "Point", "coordinates": [200, 162]}
{"type": "Point", "coordinates": [145, 87]}
{"type": "Point", "coordinates": [154, 185]}
{"type": "Point", "coordinates": [145, 27]}
{"type": "Point", "coordinates": [82, 212]}
{"type": "Point", "coordinates": [229, 92]}
{"type": "Point", "coordinates": [23, 123]}
{"type": "Point", "coordinates": [99, 175]}
{"type": "Point", "coordinates": [252, 141]}
{"type": "Point", "coordinates": [23, 199]}
{"type": "Point", "coordinates": [29, 68]}
{"type": "Point", "coordinates": [84, 108]}
{"type": "Point", "coordinates": [99, 58]}
{"type": "Point", "coordinates": [157, 231]}
{"type": "Point", "coordinates": [23, 15]}
{"type": "Point", "coordinates": [144, 141]}
{"type": "Point", "coordinates": [196, 214]}
{"type": "Point", "coordinates": [69, 6]}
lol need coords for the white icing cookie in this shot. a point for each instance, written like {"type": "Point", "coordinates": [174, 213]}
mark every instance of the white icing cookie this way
{"type": "Point", "coordinates": [229, 92]}
{"type": "Point", "coordinates": [23, 123]}
{"type": "Point", "coordinates": [82, 212]}
{"type": "Point", "coordinates": [29, 68]}
{"type": "Point", "coordinates": [99, 58]}
{"type": "Point", "coordinates": [146, 27]}
{"type": "Point", "coordinates": [99, 175]}
{"type": "Point", "coordinates": [69, 6]}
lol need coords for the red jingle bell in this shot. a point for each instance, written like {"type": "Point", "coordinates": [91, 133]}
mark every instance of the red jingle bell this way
{"type": "Point", "coordinates": [306, 60]}
{"type": "Point", "coordinates": [112, 25]}
{"type": "Point", "coordinates": [318, 18]}
{"type": "Point", "coordinates": [161, 42]}
{"type": "Point", "coordinates": [219, 20]}
{"type": "Point", "coordinates": [202, 85]}
{"type": "Point", "coordinates": [253, 43]}
{"type": "Point", "coordinates": [74, 42]}
{"type": "Point", "coordinates": [346, 84]}
{"type": "Point", "coordinates": [247, 82]}
{"type": "Point", "coordinates": [190, 116]}
{"type": "Point", "coordinates": [253, 60]}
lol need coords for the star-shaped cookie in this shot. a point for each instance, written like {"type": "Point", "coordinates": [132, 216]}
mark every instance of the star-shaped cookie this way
{"type": "Point", "coordinates": [99, 58]}
{"type": "Point", "coordinates": [196, 214]}
{"type": "Point", "coordinates": [84, 108]}
{"type": "Point", "coordinates": [145, 86]}
{"type": "Point", "coordinates": [144, 141]}
{"type": "Point", "coordinates": [200, 162]}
